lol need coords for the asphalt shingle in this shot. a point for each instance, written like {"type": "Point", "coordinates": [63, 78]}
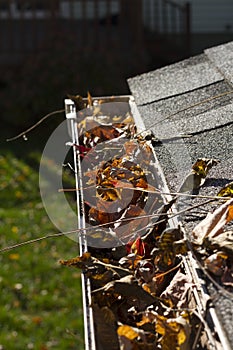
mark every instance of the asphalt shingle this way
{"type": "Point", "coordinates": [173, 80]}
{"type": "Point", "coordinates": [222, 58]}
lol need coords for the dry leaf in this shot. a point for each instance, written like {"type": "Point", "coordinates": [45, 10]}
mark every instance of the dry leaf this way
{"type": "Point", "coordinates": [203, 165]}
{"type": "Point", "coordinates": [213, 224]}
{"type": "Point", "coordinates": [79, 261]}
{"type": "Point", "coordinates": [226, 191]}
{"type": "Point", "coordinates": [89, 99]}
{"type": "Point", "coordinates": [127, 331]}
{"type": "Point", "coordinates": [78, 101]}
{"type": "Point", "coordinates": [138, 247]}
{"type": "Point", "coordinates": [223, 242]}
{"type": "Point", "coordinates": [145, 271]}
{"type": "Point", "coordinates": [130, 261]}
{"type": "Point", "coordinates": [197, 176]}
{"type": "Point", "coordinates": [175, 332]}
{"type": "Point", "coordinates": [105, 328]}
{"type": "Point", "coordinates": [166, 253]}
{"type": "Point", "coordinates": [136, 219]}
{"type": "Point", "coordinates": [227, 277]}
{"type": "Point", "coordinates": [216, 263]}
{"type": "Point", "coordinates": [128, 287]}
{"type": "Point", "coordinates": [179, 290]}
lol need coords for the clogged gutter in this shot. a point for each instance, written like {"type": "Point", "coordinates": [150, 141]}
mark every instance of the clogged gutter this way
{"type": "Point", "coordinates": [135, 258]}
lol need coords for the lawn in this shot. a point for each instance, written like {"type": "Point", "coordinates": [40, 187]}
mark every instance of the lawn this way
{"type": "Point", "coordinates": [40, 304]}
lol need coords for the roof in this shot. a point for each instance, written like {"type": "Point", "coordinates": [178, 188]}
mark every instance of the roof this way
{"type": "Point", "coordinates": [193, 98]}
{"type": "Point", "coordinates": [171, 101]}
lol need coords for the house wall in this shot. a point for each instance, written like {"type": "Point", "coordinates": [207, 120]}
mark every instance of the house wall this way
{"type": "Point", "coordinates": [211, 16]}
{"type": "Point", "coordinates": [162, 16]}
{"type": "Point", "coordinates": [92, 8]}
{"type": "Point", "coordinates": [207, 16]}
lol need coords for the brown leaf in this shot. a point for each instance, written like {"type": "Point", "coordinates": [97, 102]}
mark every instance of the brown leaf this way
{"type": "Point", "coordinates": [105, 212]}
{"type": "Point", "coordinates": [105, 328]}
{"type": "Point", "coordinates": [145, 271]}
{"type": "Point", "coordinates": [79, 261]}
{"type": "Point", "coordinates": [78, 101]}
{"type": "Point", "coordinates": [216, 263]}
{"type": "Point", "coordinates": [179, 290]}
{"type": "Point", "coordinates": [132, 338]}
{"type": "Point", "coordinates": [100, 271]}
{"type": "Point", "coordinates": [130, 261]}
{"type": "Point", "coordinates": [128, 287]}
{"type": "Point", "coordinates": [227, 277]}
{"type": "Point", "coordinates": [89, 99]}
{"type": "Point", "coordinates": [213, 224]}
{"type": "Point", "coordinates": [136, 220]}
{"type": "Point", "coordinates": [130, 147]}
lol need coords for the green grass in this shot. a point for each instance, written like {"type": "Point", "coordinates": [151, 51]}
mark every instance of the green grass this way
{"type": "Point", "coordinates": [40, 302]}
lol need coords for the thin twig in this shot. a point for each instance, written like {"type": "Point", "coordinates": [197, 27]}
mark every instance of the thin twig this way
{"type": "Point", "coordinates": [23, 134]}
{"type": "Point", "coordinates": [187, 108]}
{"type": "Point", "coordinates": [180, 194]}
{"type": "Point", "coordinates": [81, 230]}
{"type": "Point", "coordinates": [168, 271]}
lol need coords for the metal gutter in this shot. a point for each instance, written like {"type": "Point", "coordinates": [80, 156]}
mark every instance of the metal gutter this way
{"type": "Point", "coordinates": [189, 264]}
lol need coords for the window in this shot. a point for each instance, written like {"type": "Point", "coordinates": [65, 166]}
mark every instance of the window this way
{"type": "Point", "coordinates": [23, 8]}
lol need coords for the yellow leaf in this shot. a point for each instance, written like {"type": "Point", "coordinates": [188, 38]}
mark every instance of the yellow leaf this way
{"type": "Point", "coordinates": [15, 229]}
{"type": "Point", "coordinates": [14, 256]}
{"type": "Point", "coordinates": [226, 191]}
{"type": "Point", "coordinates": [160, 326]}
{"type": "Point", "coordinates": [175, 332]}
{"type": "Point", "coordinates": [18, 194]}
{"type": "Point", "coordinates": [203, 165]}
{"type": "Point", "coordinates": [116, 118]}
{"type": "Point", "coordinates": [127, 331]}
{"type": "Point", "coordinates": [196, 177]}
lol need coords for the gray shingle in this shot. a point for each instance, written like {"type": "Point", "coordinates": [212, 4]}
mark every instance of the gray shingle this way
{"type": "Point", "coordinates": [222, 57]}
{"type": "Point", "coordinates": [206, 121]}
{"type": "Point", "coordinates": [175, 79]}
{"type": "Point", "coordinates": [186, 107]}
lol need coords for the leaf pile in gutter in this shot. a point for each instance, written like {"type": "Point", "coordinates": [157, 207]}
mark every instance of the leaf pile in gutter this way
{"type": "Point", "coordinates": [141, 296]}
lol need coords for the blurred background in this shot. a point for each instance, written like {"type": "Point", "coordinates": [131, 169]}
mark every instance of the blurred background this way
{"type": "Point", "coordinates": [48, 49]}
